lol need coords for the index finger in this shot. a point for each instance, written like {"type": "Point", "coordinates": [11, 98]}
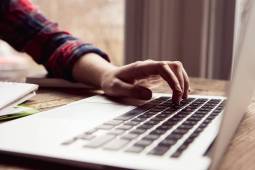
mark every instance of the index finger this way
{"type": "Point", "coordinates": [144, 69]}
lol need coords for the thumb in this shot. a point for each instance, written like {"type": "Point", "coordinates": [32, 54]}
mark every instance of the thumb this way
{"type": "Point", "coordinates": [131, 90]}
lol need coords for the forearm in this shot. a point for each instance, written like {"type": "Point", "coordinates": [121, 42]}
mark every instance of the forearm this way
{"type": "Point", "coordinates": [90, 68]}
{"type": "Point", "coordinates": [27, 30]}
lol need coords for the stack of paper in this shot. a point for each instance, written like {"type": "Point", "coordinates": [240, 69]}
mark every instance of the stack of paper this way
{"type": "Point", "coordinates": [13, 94]}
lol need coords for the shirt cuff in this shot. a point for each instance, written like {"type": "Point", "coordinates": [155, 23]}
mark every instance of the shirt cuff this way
{"type": "Point", "coordinates": [62, 62]}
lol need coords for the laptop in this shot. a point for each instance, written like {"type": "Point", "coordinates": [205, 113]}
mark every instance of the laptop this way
{"type": "Point", "coordinates": [100, 133]}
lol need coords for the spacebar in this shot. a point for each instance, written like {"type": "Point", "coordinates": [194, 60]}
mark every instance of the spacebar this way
{"type": "Point", "coordinates": [99, 141]}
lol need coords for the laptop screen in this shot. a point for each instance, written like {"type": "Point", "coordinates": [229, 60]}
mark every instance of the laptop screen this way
{"type": "Point", "coordinates": [242, 83]}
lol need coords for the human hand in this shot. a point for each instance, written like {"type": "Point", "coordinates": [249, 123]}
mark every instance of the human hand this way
{"type": "Point", "coordinates": [121, 81]}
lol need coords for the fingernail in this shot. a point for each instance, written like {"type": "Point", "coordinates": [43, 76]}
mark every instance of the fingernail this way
{"type": "Point", "coordinates": [177, 101]}
{"type": "Point", "coordinates": [184, 97]}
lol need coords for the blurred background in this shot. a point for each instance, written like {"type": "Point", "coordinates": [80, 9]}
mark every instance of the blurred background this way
{"type": "Point", "coordinates": [199, 33]}
{"type": "Point", "coordinates": [100, 22]}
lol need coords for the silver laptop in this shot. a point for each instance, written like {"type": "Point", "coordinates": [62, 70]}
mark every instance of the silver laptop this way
{"type": "Point", "coordinates": [99, 133]}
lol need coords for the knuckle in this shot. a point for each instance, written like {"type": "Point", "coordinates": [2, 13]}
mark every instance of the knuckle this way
{"type": "Point", "coordinates": [148, 62]}
{"type": "Point", "coordinates": [186, 83]}
{"type": "Point", "coordinates": [178, 64]}
{"type": "Point", "coordinates": [115, 83]}
{"type": "Point", "coordinates": [138, 63]}
{"type": "Point", "coordinates": [163, 64]}
{"type": "Point", "coordinates": [143, 63]}
{"type": "Point", "coordinates": [151, 61]}
{"type": "Point", "coordinates": [186, 80]}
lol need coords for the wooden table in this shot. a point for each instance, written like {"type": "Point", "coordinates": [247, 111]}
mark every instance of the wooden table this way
{"type": "Point", "coordinates": [240, 155]}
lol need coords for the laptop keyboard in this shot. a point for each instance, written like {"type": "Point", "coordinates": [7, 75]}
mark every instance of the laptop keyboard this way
{"type": "Point", "coordinates": [154, 128]}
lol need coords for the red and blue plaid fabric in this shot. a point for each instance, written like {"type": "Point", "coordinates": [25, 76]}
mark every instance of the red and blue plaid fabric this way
{"type": "Point", "coordinates": [27, 30]}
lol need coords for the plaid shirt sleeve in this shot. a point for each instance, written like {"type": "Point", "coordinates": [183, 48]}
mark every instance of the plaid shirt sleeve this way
{"type": "Point", "coordinates": [27, 30]}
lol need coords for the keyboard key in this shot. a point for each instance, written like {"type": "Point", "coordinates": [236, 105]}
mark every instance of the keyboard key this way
{"type": "Point", "coordinates": [138, 131]}
{"type": "Point", "coordinates": [185, 127]}
{"type": "Point", "coordinates": [144, 126]}
{"type": "Point", "coordinates": [183, 147]}
{"type": "Point", "coordinates": [116, 132]}
{"type": "Point", "coordinates": [145, 116]}
{"type": "Point", "coordinates": [86, 137]}
{"type": "Point", "coordinates": [202, 100]}
{"type": "Point", "coordinates": [105, 127]}
{"type": "Point", "coordinates": [135, 149]}
{"type": "Point", "coordinates": [152, 122]}
{"type": "Point", "coordinates": [194, 118]}
{"type": "Point", "coordinates": [160, 107]}
{"type": "Point", "coordinates": [99, 141]}
{"type": "Point", "coordinates": [123, 118]}
{"type": "Point", "coordinates": [157, 119]}
{"type": "Point", "coordinates": [91, 131]}
{"type": "Point", "coordinates": [149, 113]}
{"type": "Point", "coordinates": [114, 122]}
{"type": "Point", "coordinates": [116, 144]}
{"type": "Point", "coordinates": [190, 122]}
{"type": "Point", "coordinates": [151, 137]}
{"type": "Point", "coordinates": [157, 132]}
{"type": "Point", "coordinates": [133, 113]}
{"type": "Point", "coordinates": [188, 109]}
{"type": "Point", "coordinates": [138, 120]}
{"type": "Point", "coordinates": [163, 115]}
{"type": "Point", "coordinates": [143, 143]}
{"type": "Point", "coordinates": [167, 142]}
{"type": "Point", "coordinates": [130, 136]}
{"type": "Point", "coordinates": [163, 127]}
{"type": "Point", "coordinates": [132, 123]}
{"type": "Point", "coordinates": [207, 121]}
{"type": "Point", "coordinates": [176, 154]}
{"type": "Point", "coordinates": [155, 110]}
{"type": "Point", "coordinates": [149, 124]}
{"type": "Point", "coordinates": [174, 136]}
{"type": "Point", "coordinates": [201, 112]}
{"type": "Point", "coordinates": [159, 150]}
{"type": "Point", "coordinates": [169, 123]}
{"type": "Point", "coordinates": [70, 141]}
{"type": "Point", "coordinates": [125, 127]}
{"type": "Point", "coordinates": [217, 111]}
{"type": "Point", "coordinates": [203, 125]}
{"type": "Point", "coordinates": [180, 131]}
{"type": "Point", "coordinates": [147, 106]}
{"type": "Point", "coordinates": [205, 109]}
{"type": "Point", "coordinates": [215, 101]}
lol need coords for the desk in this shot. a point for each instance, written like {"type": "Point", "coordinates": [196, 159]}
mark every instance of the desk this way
{"type": "Point", "coordinates": [241, 153]}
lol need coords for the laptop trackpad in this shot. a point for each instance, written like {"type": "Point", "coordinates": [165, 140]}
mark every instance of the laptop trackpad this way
{"type": "Point", "coordinates": [86, 110]}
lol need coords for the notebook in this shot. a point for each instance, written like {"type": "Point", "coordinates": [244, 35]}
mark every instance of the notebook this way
{"type": "Point", "coordinates": [13, 94]}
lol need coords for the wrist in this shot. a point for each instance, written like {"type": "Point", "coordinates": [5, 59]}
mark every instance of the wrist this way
{"type": "Point", "coordinates": [91, 68]}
